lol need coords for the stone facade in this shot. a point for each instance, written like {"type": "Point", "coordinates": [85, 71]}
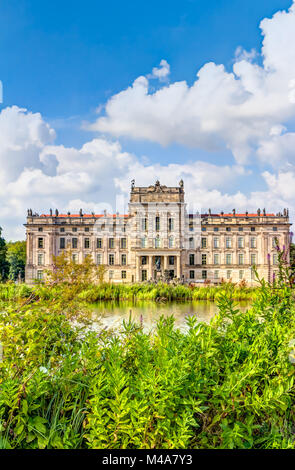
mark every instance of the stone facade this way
{"type": "Point", "coordinates": [158, 239]}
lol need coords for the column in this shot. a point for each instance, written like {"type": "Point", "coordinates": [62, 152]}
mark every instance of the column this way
{"type": "Point", "coordinates": [165, 262]}
{"type": "Point", "coordinates": [178, 273]}
{"type": "Point", "coordinates": [151, 267]}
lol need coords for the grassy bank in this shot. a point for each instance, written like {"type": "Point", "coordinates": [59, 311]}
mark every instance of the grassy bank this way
{"type": "Point", "coordinates": [108, 291]}
{"type": "Point", "coordinates": [227, 384]}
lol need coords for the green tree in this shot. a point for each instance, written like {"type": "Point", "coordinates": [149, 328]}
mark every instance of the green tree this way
{"type": "Point", "coordinates": [4, 266]}
{"type": "Point", "coordinates": [16, 257]}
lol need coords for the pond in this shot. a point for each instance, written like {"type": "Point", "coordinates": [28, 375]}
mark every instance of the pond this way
{"type": "Point", "coordinates": [111, 314]}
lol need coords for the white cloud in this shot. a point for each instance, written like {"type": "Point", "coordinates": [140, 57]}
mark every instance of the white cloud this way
{"type": "Point", "coordinates": [161, 72]}
{"type": "Point", "coordinates": [237, 110]}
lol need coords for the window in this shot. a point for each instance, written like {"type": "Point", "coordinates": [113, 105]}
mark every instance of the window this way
{"type": "Point", "coordinates": [40, 243]}
{"type": "Point", "coordinates": [39, 275]}
{"type": "Point", "coordinates": [204, 229]}
{"type": "Point", "coordinates": [157, 242]}
{"type": "Point", "coordinates": [216, 229]}
{"type": "Point", "coordinates": [74, 243]}
{"type": "Point", "coordinates": [252, 229]}
{"type": "Point", "coordinates": [252, 274]}
{"type": "Point", "coordinates": [228, 229]}
{"type": "Point", "coordinates": [62, 229]}
{"type": "Point", "coordinates": [171, 242]}
{"type": "Point", "coordinates": [216, 242]}
{"type": "Point", "coordinates": [144, 275]}
{"type": "Point", "coordinates": [216, 258]}
{"type": "Point", "coordinates": [274, 242]}
{"type": "Point", "coordinates": [275, 258]}
{"type": "Point", "coordinates": [228, 242]}
{"type": "Point", "coordinates": [191, 226]}
{"type": "Point", "coordinates": [40, 259]}
{"type": "Point", "coordinates": [111, 243]}
{"type": "Point", "coordinates": [157, 223]}
{"type": "Point", "coordinates": [204, 274]}
{"type": "Point", "coordinates": [143, 242]}
{"type": "Point", "coordinates": [123, 274]}
{"type": "Point", "coordinates": [99, 258]}
{"type": "Point", "coordinates": [98, 243]}
{"type": "Point", "coordinates": [144, 223]}
{"type": "Point", "coordinates": [228, 258]}
{"type": "Point", "coordinates": [191, 259]}
{"type": "Point", "coordinates": [241, 274]}
{"type": "Point", "coordinates": [241, 258]}
{"type": "Point", "coordinates": [62, 243]}
{"type": "Point", "coordinates": [86, 229]}
{"type": "Point", "coordinates": [241, 229]}
{"type": "Point", "coordinates": [75, 257]}
{"type": "Point", "coordinates": [86, 243]}
{"type": "Point", "coordinates": [111, 274]}
{"type": "Point", "coordinates": [240, 242]}
{"type": "Point", "coordinates": [253, 242]}
{"type": "Point", "coordinates": [123, 243]}
{"type": "Point", "coordinates": [111, 259]}
{"type": "Point", "coordinates": [204, 259]}
{"type": "Point", "coordinates": [124, 260]}
{"type": "Point", "coordinates": [253, 258]}
{"type": "Point", "coordinates": [204, 242]}
{"type": "Point", "coordinates": [40, 229]}
{"type": "Point", "coordinates": [171, 260]}
{"type": "Point", "coordinates": [275, 229]}
{"type": "Point", "coordinates": [228, 274]}
{"type": "Point", "coordinates": [170, 224]}
{"type": "Point", "coordinates": [192, 274]}
{"type": "Point", "coordinates": [216, 274]}
{"type": "Point", "coordinates": [74, 229]}
{"type": "Point", "coordinates": [191, 243]}
{"type": "Point", "coordinates": [144, 260]}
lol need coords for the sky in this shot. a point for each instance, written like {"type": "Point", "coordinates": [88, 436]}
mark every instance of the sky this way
{"type": "Point", "coordinates": [97, 93]}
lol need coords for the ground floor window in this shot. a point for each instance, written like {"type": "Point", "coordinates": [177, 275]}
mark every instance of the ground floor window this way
{"type": "Point", "coordinates": [124, 260]}
{"type": "Point", "coordinates": [111, 259]}
{"type": "Point", "coordinates": [75, 257]}
{"type": "Point", "coordinates": [111, 274]}
{"type": "Point", "coordinates": [241, 274]}
{"type": "Point", "coordinates": [228, 274]}
{"type": "Point", "coordinates": [144, 260]}
{"type": "Point", "coordinates": [216, 274]}
{"type": "Point", "coordinates": [204, 274]}
{"type": "Point", "coordinates": [99, 258]}
{"type": "Point", "coordinates": [123, 274]}
{"type": "Point", "coordinates": [39, 275]}
{"type": "Point", "coordinates": [171, 260]}
{"type": "Point", "coordinates": [144, 275]}
{"type": "Point", "coordinates": [192, 274]}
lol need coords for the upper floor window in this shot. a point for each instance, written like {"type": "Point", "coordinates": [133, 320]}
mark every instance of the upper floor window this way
{"type": "Point", "coordinates": [275, 229]}
{"type": "Point", "coordinates": [144, 260]}
{"type": "Point", "coordinates": [62, 229]}
{"type": "Point", "coordinates": [74, 229]}
{"type": "Point", "coordinates": [170, 224]}
{"type": "Point", "coordinates": [171, 260]}
{"type": "Point", "coordinates": [86, 243]}
{"type": "Point", "coordinates": [40, 259]}
{"type": "Point", "coordinates": [204, 229]}
{"type": "Point", "coordinates": [157, 242]}
{"type": "Point", "coordinates": [253, 242]}
{"type": "Point", "coordinates": [40, 243]}
{"type": "Point", "coordinates": [274, 242]}
{"type": "Point", "coordinates": [216, 242]}
{"type": "Point", "coordinates": [191, 259]}
{"type": "Point", "coordinates": [204, 258]}
{"type": "Point", "coordinates": [157, 223]}
{"type": "Point", "coordinates": [40, 229]}
{"type": "Point", "coordinates": [240, 229]}
{"type": "Point", "coordinates": [191, 243]}
{"type": "Point", "coordinates": [86, 229]}
{"type": "Point", "coordinates": [204, 242]}
{"type": "Point", "coordinates": [240, 242]}
{"type": "Point", "coordinates": [143, 242]}
{"type": "Point", "coordinates": [98, 243]}
{"type": "Point", "coordinates": [123, 243]}
{"type": "Point", "coordinates": [111, 259]}
{"type": "Point", "coordinates": [74, 243]}
{"type": "Point", "coordinates": [191, 226]}
{"type": "Point", "coordinates": [62, 243]}
{"type": "Point", "coordinates": [144, 223]}
{"type": "Point", "coordinates": [111, 243]}
{"type": "Point", "coordinates": [228, 229]}
{"type": "Point", "coordinates": [253, 258]}
{"type": "Point", "coordinates": [228, 242]}
{"type": "Point", "coordinates": [124, 260]}
{"type": "Point", "coordinates": [228, 258]}
{"type": "Point", "coordinates": [252, 229]}
{"type": "Point", "coordinates": [275, 258]}
{"type": "Point", "coordinates": [216, 258]}
{"type": "Point", "coordinates": [241, 258]}
{"type": "Point", "coordinates": [171, 242]}
{"type": "Point", "coordinates": [99, 258]}
{"type": "Point", "coordinates": [216, 229]}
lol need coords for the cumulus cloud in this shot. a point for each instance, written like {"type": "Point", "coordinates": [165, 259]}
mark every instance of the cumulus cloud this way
{"type": "Point", "coordinates": [235, 109]}
{"type": "Point", "coordinates": [161, 72]}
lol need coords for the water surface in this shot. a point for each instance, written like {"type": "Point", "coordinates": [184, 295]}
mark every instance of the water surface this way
{"type": "Point", "coordinates": [111, 314]}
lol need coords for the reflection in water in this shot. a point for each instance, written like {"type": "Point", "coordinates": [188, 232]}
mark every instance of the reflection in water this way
{"type": "Point", "coordinates": [111, 314]}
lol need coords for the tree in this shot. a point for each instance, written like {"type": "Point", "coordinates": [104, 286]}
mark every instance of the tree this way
{"type": "Point", "coordinates": [4, 266]}
{"type": "Point", "coordinates": [16, 256]}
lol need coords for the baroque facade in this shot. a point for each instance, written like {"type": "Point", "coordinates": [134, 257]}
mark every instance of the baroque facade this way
{"type": "Point", "coordinates": [159, 239]}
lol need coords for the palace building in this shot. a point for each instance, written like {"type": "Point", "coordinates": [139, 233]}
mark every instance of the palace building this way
{"type": "Point", "coordinates": [159, 239]}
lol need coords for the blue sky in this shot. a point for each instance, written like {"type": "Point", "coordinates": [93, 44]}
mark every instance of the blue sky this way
{"type": "Point", "coordinates": [64, 59]}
